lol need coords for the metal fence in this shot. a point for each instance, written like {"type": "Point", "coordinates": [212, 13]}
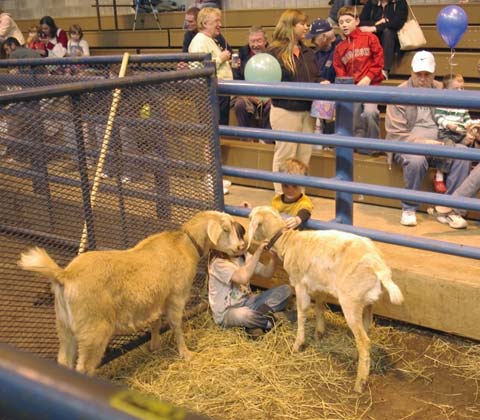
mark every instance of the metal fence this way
{"type": "Point", "coordinates": [342, 183]}
{"type": "Point", "coordinates": [20, 74]}
{"type": "Point", "coordinates": [94, 165]}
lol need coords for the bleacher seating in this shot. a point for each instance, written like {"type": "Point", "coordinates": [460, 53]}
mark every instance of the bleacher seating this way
{"type": "Point", "coordinates": [147, 38]}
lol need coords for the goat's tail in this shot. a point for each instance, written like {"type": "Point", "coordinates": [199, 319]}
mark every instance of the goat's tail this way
{"type": "Point", "coordinates": [394, 292]}
{"type": "Point", "coordinates": [37, 260]}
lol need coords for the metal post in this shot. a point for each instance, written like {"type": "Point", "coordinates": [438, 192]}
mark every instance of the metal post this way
{"type": "Point", "coordinates": [83, 171]}
{"type": "Point", "coordinates": [213, 97]}
{"type": "Point", "coordinates": [32, 388]}
{"type": "Point", "coordinates": [344, 157]}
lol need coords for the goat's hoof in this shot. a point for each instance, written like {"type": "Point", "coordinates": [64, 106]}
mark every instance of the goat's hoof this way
{"type": "Point", "coordinates": [297, 347]}
{"type": "Point", "coordinates": [360, 386]}
{"type": "Point", "coordinates": [154, 347]}
{"type": "Point", "coordinates": [187, 355]}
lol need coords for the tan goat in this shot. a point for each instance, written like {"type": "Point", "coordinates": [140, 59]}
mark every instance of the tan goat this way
{"type": "Point", "coordinates": [340, 264]}
{"type": "Point", "coordinates": [101, 293]}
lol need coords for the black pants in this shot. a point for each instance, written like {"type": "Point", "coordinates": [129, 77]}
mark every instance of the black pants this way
{"type": "Point", "coordinates": [224, 108]}
{"type": "Point", "coordinates": [389, 40]}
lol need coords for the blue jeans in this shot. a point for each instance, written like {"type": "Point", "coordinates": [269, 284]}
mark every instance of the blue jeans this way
{"type": "Point", "coordinates": [415, 168]}
{"type": "Point", "coordinates": [247, 314]}
{"type": "Point", "coordinates": [365, 121]}
{"type": "Point", "coordinates": [469, 187]}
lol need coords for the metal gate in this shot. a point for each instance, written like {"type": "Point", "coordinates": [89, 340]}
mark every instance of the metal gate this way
{"type": "Point", "coordinates": [93, 165]}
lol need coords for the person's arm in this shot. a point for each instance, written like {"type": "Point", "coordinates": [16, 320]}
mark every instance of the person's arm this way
{"type": "Point", "coordinates": [376, 63]}
{"type": "Point", "coordinates": [5, 26]}
{"type": "Point", "coordinates": [266, 271]}
{"type": "Point", "coordinates": [85, 48]}
{"type": "Point", "coordinates": [399, 17]}
{"type": "Point", "coordinates": [340, 69]}
{"type": "Point", "coordinates": [397, 128]}
{"type": "Point", "coordinates": [62, 38]}
{"type": "Point", "coordinates": [366, 15]}
{"type": "Point", "coordinates": [245, 272]}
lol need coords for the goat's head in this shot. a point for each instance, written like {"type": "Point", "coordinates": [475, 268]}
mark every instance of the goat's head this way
{"type": "Point", "coordinates": [264, 223]}
{"type": "Point", "coordinates": [226, 235]}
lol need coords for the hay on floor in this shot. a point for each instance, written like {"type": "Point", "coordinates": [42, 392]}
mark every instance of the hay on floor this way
{"type": "Point", "coordinates": [234, 377]}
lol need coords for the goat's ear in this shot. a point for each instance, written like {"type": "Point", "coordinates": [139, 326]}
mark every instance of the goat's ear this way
{"type": "Point", "coordinates": [252, 227]}
{"type": "Point", "coordinates": [214, 230]}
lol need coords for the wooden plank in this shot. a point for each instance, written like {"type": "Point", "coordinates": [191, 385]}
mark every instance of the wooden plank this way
{"type": "Point", "coordinates": [466, 64]}
{"type": "Point", "coordinates": [128, 39]}
{"type": "Point", "coordinates": [425, 13]}
{"type": "Point", "coordinates": [470, 39]}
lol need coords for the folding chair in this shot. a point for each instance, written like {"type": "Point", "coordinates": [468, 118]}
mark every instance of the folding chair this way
{"type": "Point", "coordinates": [143, 5]}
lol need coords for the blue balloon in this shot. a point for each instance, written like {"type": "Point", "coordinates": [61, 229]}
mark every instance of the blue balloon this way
{"type": "Point", "coordinates": [452, 23]}
{"type": "Point", "coordinates": [263, 68]}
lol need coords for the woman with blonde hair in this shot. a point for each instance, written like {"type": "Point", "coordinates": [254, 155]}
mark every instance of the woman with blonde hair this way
{"type": "Point", "coordinates": [209, 21]}
{"type": "Point", "coordinates": [298, 65]}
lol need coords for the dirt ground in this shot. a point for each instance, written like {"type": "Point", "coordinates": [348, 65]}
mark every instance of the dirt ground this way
{"type": "Point", "coordinates": [416, 374]}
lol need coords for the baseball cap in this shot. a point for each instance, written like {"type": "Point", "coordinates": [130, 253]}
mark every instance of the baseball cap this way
{"type": "Point", "coordinates": [318, 27]}
{"type": "Point", "coordinates": [423, 61]}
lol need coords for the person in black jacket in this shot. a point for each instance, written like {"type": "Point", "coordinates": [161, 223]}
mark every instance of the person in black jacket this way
{"type": "Point", "coordinates": [298, 64]}
{"type": "Point", "coordinates": [384, 18]}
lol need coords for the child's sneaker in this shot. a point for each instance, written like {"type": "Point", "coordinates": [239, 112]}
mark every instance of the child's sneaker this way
{"type": "Point", "coordinates": [254, 333]}
{"type": "Point", "coordinates": [455, 221]}
{"type": "Point", "coordinates": [439, 186]}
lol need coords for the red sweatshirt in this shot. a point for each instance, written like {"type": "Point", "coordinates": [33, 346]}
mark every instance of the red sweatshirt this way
{"type": "Point", "coordinates": [360, 55]}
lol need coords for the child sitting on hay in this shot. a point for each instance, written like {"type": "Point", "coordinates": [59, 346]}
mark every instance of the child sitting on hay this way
{"type": "Point", "coordinates": [231, 300]}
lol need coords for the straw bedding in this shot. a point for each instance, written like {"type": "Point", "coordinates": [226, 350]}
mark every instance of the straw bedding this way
{"type": "Point", "coordinates": [234, 377]}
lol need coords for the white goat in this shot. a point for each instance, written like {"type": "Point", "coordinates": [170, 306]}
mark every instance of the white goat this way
{"type": "Point", "coordinates": [340, 264]}
{"type": "Point", "coordinates": [101, 293]}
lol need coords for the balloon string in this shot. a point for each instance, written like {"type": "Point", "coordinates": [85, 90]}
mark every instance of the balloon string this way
{"type": "Point", "coordinates": [450, 61]}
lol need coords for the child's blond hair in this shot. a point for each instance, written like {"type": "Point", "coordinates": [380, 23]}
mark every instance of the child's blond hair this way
{"type": "Point", "coordinates": [294, 167]}
{"type": "Point", "coordinates": [348, 10]}
{"type": "Point", "coordinates": [77, 29]}
{"type": "Point", "coordinates": [449, 78]}
{"type": "Point", "coordinates": [33, 29]}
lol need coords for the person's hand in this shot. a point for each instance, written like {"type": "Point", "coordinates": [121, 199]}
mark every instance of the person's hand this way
{"type": "Point", "coordinates": [381, 21]}
{"type": "Point", "coordinates": [365, 81]}
{"type": "Point", "coordinates": [325, 82]}
{"type": "Point", "coordinates": [370, 29]}
{"type": "Point", "coordinates": [452, 126]}
{"type": "Point", "coordinates": [225, 55]}
{"type": "Point", "coordinates": [261, 248]}
{"type": "Point", "coordinates": [293, 222]}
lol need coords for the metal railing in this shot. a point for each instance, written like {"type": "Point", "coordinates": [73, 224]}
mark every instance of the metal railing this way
{"type": "Point", "coordinates": [344, 144]}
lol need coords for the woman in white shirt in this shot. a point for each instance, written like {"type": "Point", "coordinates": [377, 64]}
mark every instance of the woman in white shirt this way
{"type": "Point", "coordinates": [209, 23]}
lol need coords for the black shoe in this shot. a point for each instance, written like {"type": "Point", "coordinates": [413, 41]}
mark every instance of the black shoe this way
{"type": "Point", "coordinates": [254, 333]}
{"type": "Point", "coordinates": [285, 316]}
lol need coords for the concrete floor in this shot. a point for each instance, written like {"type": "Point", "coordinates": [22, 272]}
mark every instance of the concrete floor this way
{"type": "Point", "coordinates": [440, 287]}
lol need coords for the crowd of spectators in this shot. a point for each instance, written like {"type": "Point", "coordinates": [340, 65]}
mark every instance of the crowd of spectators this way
{"type": "Point", "coordinates": [348, 43]}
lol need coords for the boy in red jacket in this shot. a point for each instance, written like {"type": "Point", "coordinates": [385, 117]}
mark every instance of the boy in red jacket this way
{"type": "Point", "coordinates": [359, 56]}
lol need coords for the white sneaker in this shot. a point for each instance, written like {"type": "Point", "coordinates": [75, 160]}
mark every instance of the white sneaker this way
{"type": "Point", "coordinates": [226, 185]}
{"type": "Point", "coordinates": [455, 221]}
{"type": "Point", "coordinates": [409, 218]}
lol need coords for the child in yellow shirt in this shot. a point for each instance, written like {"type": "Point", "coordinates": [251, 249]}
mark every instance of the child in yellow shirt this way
{"type": "Point", "coordinates": [293, 202]}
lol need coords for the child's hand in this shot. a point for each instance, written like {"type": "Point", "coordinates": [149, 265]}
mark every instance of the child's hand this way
{"type": "Point", "coordinates": [365, 81]}
{"type": "Point", "coordinates": [225, 56]}
{"type": "Point", "coordinates": [293, 222]}
{"type": "Point", "coordinates": [452, 126]}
